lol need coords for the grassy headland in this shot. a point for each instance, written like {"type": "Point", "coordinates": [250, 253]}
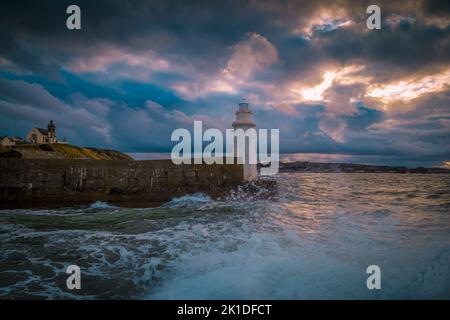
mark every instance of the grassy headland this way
{"type": "Point", "coordinates": [60, 151]}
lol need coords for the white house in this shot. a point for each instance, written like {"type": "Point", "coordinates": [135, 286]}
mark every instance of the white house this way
{"type": "Point", "coordinates": [6, 141]}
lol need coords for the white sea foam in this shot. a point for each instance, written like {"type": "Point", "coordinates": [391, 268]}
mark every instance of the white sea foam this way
{"type": "Point", "coordinates": [187, 200]}
{"type": "Point", "coordinates": [315, 241]}
{"type": "Point", "coordinates": [287, 265]}
{"type": "Point", "coordinates": [101, 205]}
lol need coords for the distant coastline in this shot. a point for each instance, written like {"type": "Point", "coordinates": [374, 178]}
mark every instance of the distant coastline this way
{"type": "Point", "coordinates": [319, 167]}
{"type": "Point", "coordinates": [322, 166]}
{"type": "Point", "coordinates": [67, 151]}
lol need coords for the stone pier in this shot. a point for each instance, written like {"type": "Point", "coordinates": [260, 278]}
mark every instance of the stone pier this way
{"type": "Point", "coordinates": [64, 182]}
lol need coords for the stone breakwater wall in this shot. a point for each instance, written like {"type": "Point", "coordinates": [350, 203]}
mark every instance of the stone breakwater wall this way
{"type": "Point", "coordinates": [62, 183]}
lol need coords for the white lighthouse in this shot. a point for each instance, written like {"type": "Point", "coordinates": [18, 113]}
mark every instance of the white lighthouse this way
{"type": "Point", "coordinates": [245, 121]}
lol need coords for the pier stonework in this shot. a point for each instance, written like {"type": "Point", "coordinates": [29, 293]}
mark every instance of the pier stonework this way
{"type": "Point", "coordinates": [69, 182]}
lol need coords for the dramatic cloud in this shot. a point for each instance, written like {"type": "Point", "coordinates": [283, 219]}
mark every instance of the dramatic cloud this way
{"type": "Point", "coordinates": [407, 90]}
{"type": "Point", "coordinates": [139, 69]}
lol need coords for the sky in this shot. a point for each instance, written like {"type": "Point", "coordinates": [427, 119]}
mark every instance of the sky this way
{"type": "Point", "coordinates": [137, 70]}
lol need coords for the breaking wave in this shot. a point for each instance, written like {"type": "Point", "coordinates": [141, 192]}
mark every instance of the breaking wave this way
{"type": "Point", "coordinates": [101, 205]}
{"type": "Point", "coordinates": [314, 240]}
{"type": "Point", "coordinates": [187, 200]}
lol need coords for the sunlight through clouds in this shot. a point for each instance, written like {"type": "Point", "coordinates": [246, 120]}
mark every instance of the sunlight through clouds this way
{"type": "Point", "coordinates": [316, 93]}
{"type": "Point", "coordinates": [407, 90]}
{"type": "Point", "coordinates": [311, 68]}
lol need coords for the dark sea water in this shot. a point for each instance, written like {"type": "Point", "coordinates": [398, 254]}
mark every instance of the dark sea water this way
{"type": "Point", "coordinates": [312, 241]}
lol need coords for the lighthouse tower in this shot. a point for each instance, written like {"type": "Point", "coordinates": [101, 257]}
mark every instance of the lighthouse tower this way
{"type": "Point", "coordinates": [245, 121]}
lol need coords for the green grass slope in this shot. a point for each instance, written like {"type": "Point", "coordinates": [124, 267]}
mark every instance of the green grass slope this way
{"type": "Point", "coordinates": [60, 151]}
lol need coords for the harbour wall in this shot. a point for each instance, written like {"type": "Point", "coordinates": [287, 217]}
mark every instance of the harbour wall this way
{"type": "Point", "coordinates": [29, 183]}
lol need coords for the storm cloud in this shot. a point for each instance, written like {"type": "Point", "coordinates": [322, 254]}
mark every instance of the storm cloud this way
{"type": "Point", "coordinates": [139, 69]}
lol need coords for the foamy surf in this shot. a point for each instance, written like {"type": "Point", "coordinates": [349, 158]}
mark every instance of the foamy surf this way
{"type": "Point", "coordinates": [188, 200]}
{"type": "Point", "coordinates": [101, 205]}
{"type": "Point", "coordinates": [314, 240]}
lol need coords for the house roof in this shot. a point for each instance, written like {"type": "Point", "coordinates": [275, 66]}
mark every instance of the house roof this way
{"type": "Point", "coordinates": [42, 131]}
{"type": "Point", "coordinates": [11, 138]}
